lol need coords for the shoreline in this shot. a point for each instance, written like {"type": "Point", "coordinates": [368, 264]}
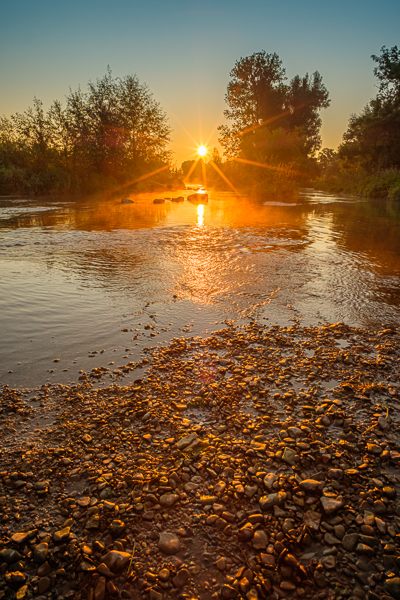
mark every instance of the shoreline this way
{"type": "Point", "coordinates": [257, 462]}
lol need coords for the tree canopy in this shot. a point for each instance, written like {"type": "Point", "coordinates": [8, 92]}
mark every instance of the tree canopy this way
{"type": "Point", "coordinates": [272, 121]}
{"type": "Point", "coordinates": [373, 137]}
{"type": "Point", "coordinates": [115, 130]}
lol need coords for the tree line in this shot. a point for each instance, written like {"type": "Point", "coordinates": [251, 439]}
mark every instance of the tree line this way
{"type": "Point", "coordinates": [115, 134]}
{"type": "Point", "coordinates": [368, 160]}
{"type": "Point", "coordinates": [110, 134]}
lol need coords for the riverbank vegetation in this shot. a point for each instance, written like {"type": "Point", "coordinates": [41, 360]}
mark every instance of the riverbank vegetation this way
{"type": "Point", "coordinates": [112, 134]}
{"type": "Point", "coordinates": [368, 161]}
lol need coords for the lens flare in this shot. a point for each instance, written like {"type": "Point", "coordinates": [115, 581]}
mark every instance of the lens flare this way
{"type": "Point", "coordinates": [201, 150]}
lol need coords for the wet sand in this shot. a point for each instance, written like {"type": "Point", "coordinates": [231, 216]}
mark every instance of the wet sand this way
{"type": "Point", "coordinates": [256, 462]}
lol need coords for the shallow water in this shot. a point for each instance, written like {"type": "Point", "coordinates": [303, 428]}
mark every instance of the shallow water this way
{"type": "Point", "coordinates": [73, 275]}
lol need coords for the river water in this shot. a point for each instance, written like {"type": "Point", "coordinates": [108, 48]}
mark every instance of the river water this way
{"type": "Point", "coordinates": [73, 276]}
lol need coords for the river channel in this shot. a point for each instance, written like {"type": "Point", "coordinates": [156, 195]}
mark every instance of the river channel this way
{"type": "Point", "coordinates": [94, 282]}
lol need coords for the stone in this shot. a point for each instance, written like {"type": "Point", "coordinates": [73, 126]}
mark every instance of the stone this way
{"type": "Point", "coordinates": [93, 522]}
{"type": "Point", "coordinates": [15, 578]}
{"type": "Point", "coordinates": [21, 538]}
{"type": "Point", "coordinates": [288, 456]}
{"type": "Point", "coordinates": [349, 541]}
{"type": "Point", "coordinates": [312, 519]}
{"type": "Point", "coordinates": [331, 505]}
{"type": "Point", "coordinates": [62, 535]}
{"type": "Point", "coordinates": [186, 441]}
{"type": "Point", "coordinates": [44, 584]}
{"type": "Point", "coordinates": [21, 593]}
{"type": "Point", "coordinates": [260, 540]}
{"type": "Point", "coordinates": [311, 486]}
{"type": "Point", "coordinates": [269, 480]}
{"type": "Point", "coordinates": [228, 592]}
{"type": "Point", "coordinates": [271, 500]}
{"type": "Point", "coordinates": [116, 527]}
{"type": "Point", "coordinates": [221, 564]}
{"type": "Point", "coordinates": [40, 553]}
{"type": "Point", "coordinates": [155, 595]}
{"type": "Point", "coordinates": [126, 201]}
{"type": "Point", "coordinates": [169, 543]}
{"type": "Point", "coordinates": [115, 560]}
{"type": "Point", "coordinates": [181, 578]}
{"type": "Point", "coordinates": [9, 556]}
{"type": "Point", "coordinates": [392, 585]}
{"type": "Point", "coordinates": [100, 589]}
{"type": "Point", "coordinates": [168, 500]}
{"type": "Point", "coordinates": [164, 574]}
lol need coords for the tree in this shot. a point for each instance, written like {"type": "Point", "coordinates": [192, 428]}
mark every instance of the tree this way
{"type": "Point", "coordinates": [372, 138]}
{"type": "Point", "coordinates": [260, 103]}
{"type": "Point", "coordinates": [114, 132]}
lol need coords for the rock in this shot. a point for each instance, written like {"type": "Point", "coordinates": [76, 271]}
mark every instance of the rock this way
{"type": "Point", "coordinates": [374, 449]}
{"type": "Point", "coordinates": [15, 578]}
{"type": "Point", "coordinates": [104, 570]}
{"type": "Point", "coordinates": [164, 574]}
{"type": "Point", "coordinates": [126, 201]}
{"type": "Point", "coordinates": [44, 570]}
{"type": "Point", "coordinates": [181, 578]}
{"type": "Point", "coordinates": [21, 538]}
{"type": "Point", "coordinates": [366, 550]}
{"type": "Point", "coordinates": [328, 562]}
{"type": "Point", "coordinates": [106, 493]}
{"type": "Point", "coordinates": [331, 539]}
{"type": "Point", "coordinates": [392, 585]}
{"type": "Point", "coordinates": [268, 560]}
{"type": "Point", "coordinates": [116, 561]}
{"type": "Point", "coordinates": [288, 456]}
{"type": "Point", "coordinates": [260, 540]}
{"type": "Point", "coordinates": [158, 201]}
{"type": "Point", "coordinates": [169, 543]}
{"type": "Point", "coordinates": [186, 441]}
{"type": "Point", "coordinates": [383, 424]}
{"type": "Point", "coordinates": [228, 592]}
{"type": "Point", "coordinates": [40, 553]}
{"type": "Point", "coordinates": [311, 486]}
{"type": "Point", "coordinates": [9, 556]}
{"type": "Point", "coordinates": [93, 522]}
{"type": "Point", "coordinates": [116, 527]}
{"type": "Point", "coordinates": [62, 535]}
{"type": "Point", "coordinates": [312, 519]}
{"type": "Point", "coordinates": [86, 438]}
{"type": "Point", "coordinates": [276, 499]}
{"type": "Point", "coordinates": [349, 541]}
{"type": "Point", "coordinates": [167, 500]}
{"type": "Point", "coordinates": [295, 432]}
{"type": "Point", "coordinates": [154, 595]}
{"type": "Point", "coordinates": [22, 593]}
{"type": "Point", "coordinates": [331, 505]}
{"type": "Point", "coordinates": [100, 589]}
{"type": "Point", "coordinates": [269, 480]}
{"type": "Point", "coordinates": [221, 564]}
{"type": "Point", "coordinates": [44, 584]}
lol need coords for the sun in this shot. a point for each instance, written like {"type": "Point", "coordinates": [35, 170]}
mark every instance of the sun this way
{"type": "Point", "coordinates": [201, 150]}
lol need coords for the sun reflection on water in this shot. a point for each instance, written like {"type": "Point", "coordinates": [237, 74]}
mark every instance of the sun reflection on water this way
{"type": "Point", "coordinates": [200, 215]}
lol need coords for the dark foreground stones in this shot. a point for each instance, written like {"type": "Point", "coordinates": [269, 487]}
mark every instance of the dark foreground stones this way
{"type": "Point", "coordinates": [256, 463]}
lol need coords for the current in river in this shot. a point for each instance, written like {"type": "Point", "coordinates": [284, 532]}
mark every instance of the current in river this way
{"type": "Point", "coordinates": [94, 282]}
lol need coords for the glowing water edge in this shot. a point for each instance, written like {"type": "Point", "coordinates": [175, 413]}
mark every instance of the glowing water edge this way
{"type": "Point", "coordinates": [94, 282]}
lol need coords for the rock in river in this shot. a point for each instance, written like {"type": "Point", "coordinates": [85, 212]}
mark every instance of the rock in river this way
{"type": "Point", "coordinates": [169, 543]}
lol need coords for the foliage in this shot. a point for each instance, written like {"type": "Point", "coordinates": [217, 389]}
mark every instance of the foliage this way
{"type": "Point", "coordinates": [373, 137]}
{"type": "Point", "coordinates": [273, 122]}
{"type": "Point", "coordinates": [111, 134]}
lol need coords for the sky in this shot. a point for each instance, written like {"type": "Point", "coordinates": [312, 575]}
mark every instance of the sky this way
{"type": "Point", "coordinates": [185, 50]}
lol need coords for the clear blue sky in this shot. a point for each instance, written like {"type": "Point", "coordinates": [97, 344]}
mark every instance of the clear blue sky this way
{"type": "Point", "coordinates": [184, 51]}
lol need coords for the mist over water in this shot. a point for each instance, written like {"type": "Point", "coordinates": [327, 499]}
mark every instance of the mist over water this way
{"type": "Point", "coordinates": [73, 276]}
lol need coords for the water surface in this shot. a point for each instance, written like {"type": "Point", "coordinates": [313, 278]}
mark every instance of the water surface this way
{"type": "Point", "coordinates": [74, 275]}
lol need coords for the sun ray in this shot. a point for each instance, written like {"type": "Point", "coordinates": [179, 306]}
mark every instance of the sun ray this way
{"type": "Point", "coordinates": [192, 168]}
{"type": "Point", "coordinates": [270, 120]}
{"type": "Point", "coordinates": [141, 178]}
{"type": "Point", "coordinates": [223, 176]}
{"type": "Point", "coordinates": [266, 166]}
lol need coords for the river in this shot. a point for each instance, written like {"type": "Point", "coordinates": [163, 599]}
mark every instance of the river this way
{"type": "Point", "coordinates": [74, 276]}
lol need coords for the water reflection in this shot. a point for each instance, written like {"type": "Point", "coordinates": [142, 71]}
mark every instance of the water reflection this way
{"type": "Point", "coordinates": [323, 257]}
{"type": "Point", "coordinates": [200, 215]}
